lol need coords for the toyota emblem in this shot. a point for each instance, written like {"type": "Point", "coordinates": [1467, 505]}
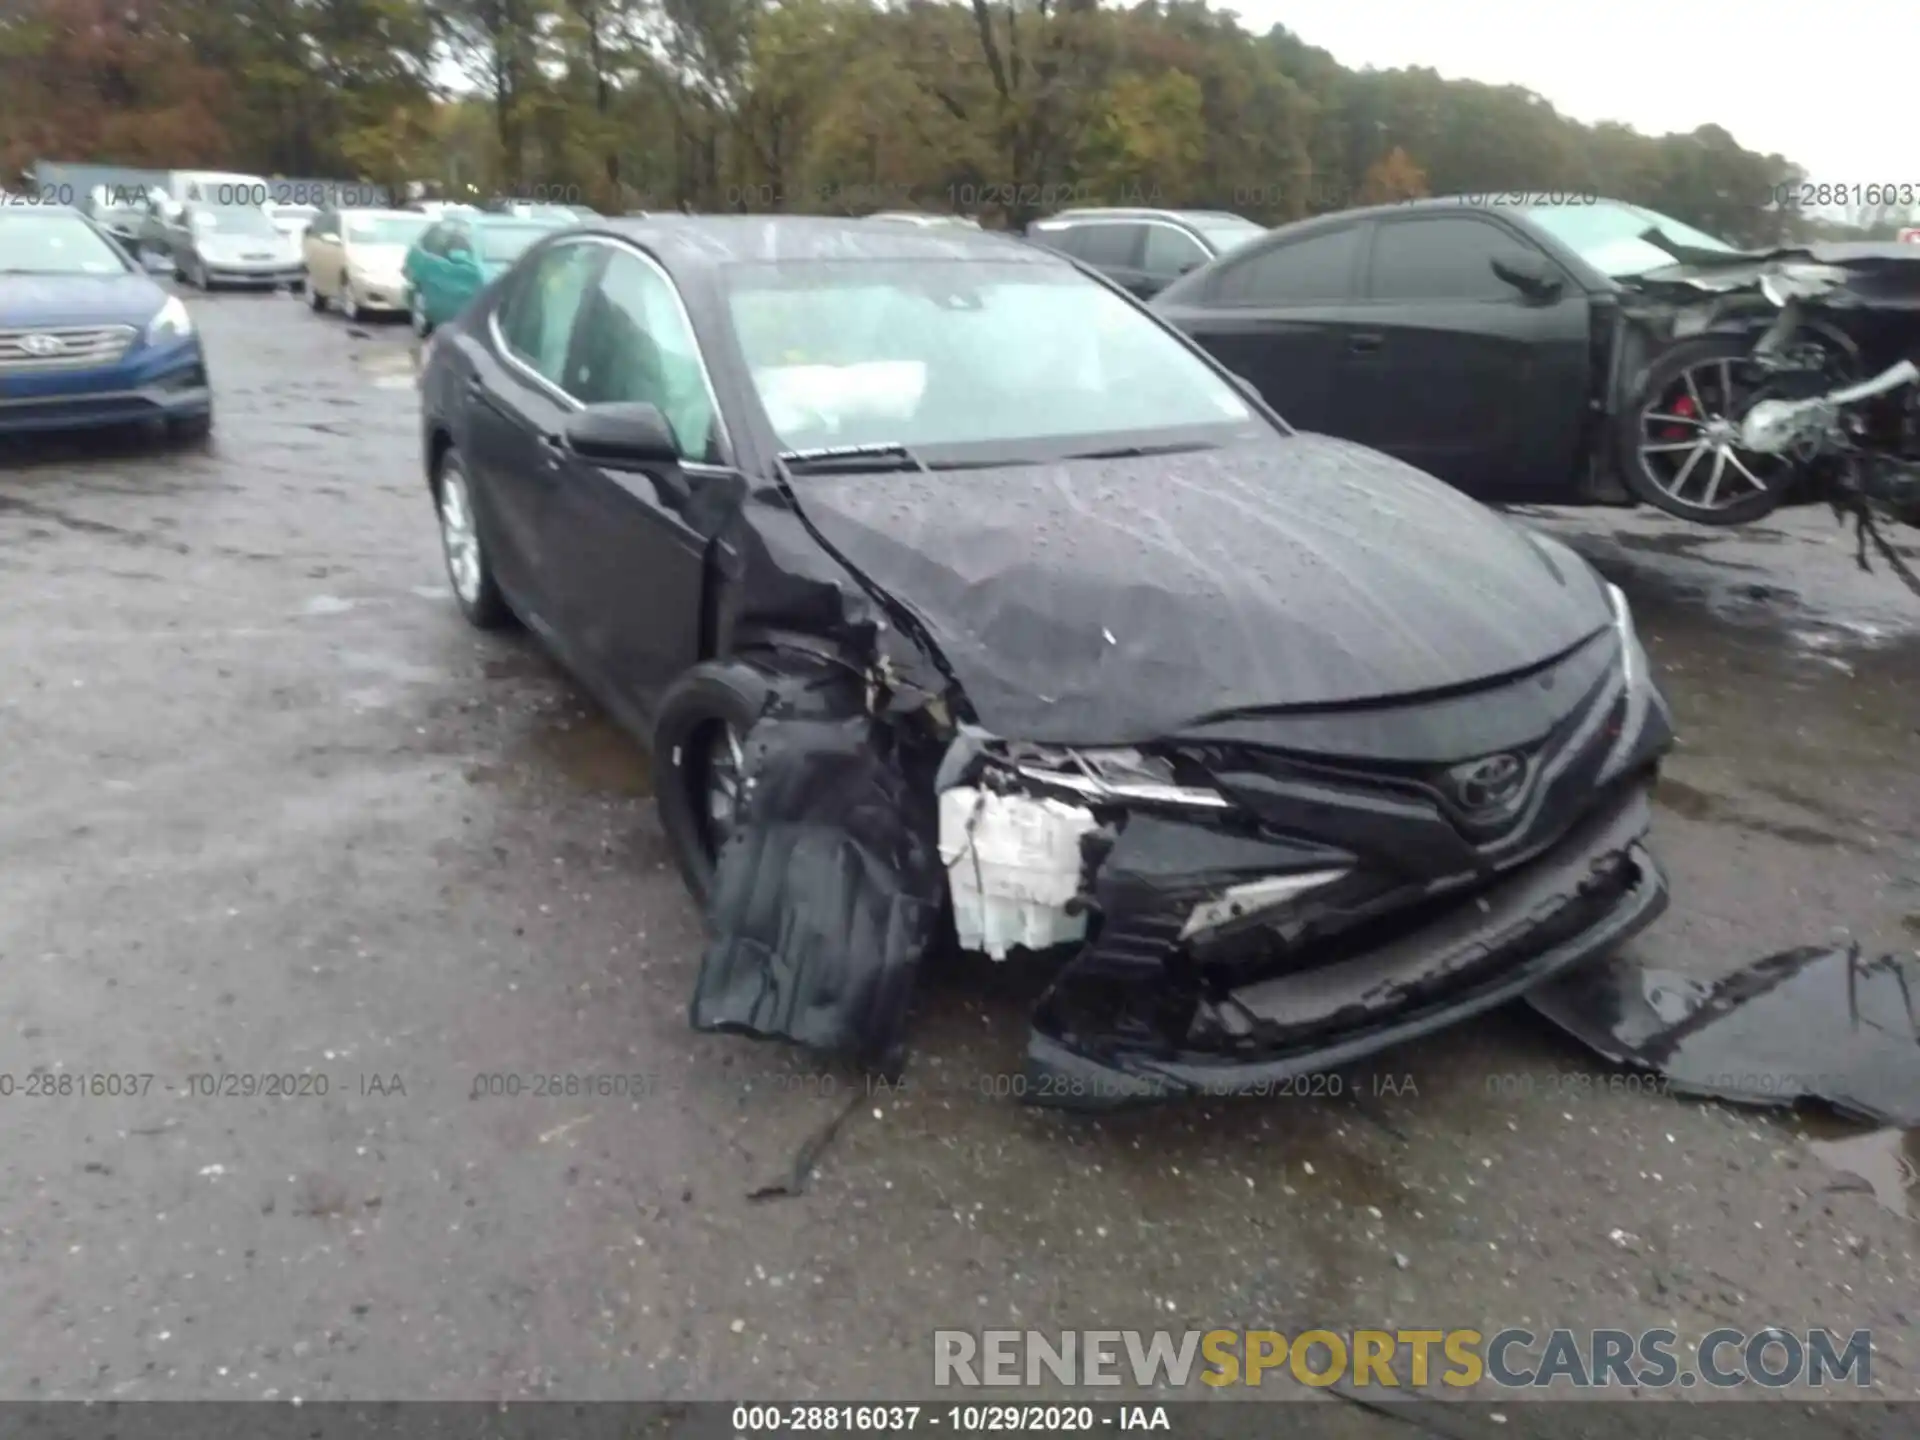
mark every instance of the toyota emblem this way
{"type": "Point", "coordinates": [43, 345]}
{"type": "Point", "coordinates": [1491, 783]}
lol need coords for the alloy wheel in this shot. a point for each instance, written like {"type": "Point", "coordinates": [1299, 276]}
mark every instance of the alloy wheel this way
{"type": "Point", "coordinates": [418, 313]}
{"type": "Point", "coordinates": [1689, 439]}
{"type": "Point", "coordinates": [459, 538]}
{"type": "Point", "coordinates": [349, 307]}
{"type": "Point", "coordinates": [721, 769]}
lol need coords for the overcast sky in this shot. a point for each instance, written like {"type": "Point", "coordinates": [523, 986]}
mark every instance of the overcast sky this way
{"type": "Point", "coordinates": [1832, 85]}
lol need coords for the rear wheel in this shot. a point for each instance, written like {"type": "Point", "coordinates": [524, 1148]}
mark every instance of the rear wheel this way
{"type": "Point", "coordinates": [1678, 446]}
{"type": "Point", "coordinates": [465, 552]}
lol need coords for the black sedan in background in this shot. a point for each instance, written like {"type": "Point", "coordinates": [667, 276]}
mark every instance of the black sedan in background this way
{"type": "Point", "coordinates": [958, 596]}
{"type": "Point", "coordinates": [1481, 339]}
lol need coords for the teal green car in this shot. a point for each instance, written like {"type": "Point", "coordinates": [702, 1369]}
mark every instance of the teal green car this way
{"type": "Point", "coordinates": [455, 259]}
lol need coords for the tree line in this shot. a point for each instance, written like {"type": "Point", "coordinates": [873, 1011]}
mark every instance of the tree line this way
{"type": "Point", "coordinates": [1000, 108]}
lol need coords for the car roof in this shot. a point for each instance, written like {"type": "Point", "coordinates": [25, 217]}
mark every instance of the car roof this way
{"type": "Point", "coordinates": [697, 241]}
{"type": "Point", "coordinates": [1135, 212]}
{"type": "Point", "coordinates": [1513, 202]}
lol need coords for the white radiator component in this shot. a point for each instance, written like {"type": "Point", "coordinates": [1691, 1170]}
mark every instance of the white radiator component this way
{"type": "Point", "coordinates": [1012, 863]}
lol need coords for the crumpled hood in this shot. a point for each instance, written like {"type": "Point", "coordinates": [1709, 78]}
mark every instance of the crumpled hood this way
{"type": "Point", "coordinates": [1111, 602]}
{"type": "Point", "coordinates": [122, 298]}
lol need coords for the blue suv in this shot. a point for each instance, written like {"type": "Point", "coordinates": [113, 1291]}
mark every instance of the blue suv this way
{"type": "Point", "coordinates": [87, 338]}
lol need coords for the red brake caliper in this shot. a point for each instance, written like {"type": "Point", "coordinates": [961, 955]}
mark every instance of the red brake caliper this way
{"type": "Point", "coordinates": [1683, 405]}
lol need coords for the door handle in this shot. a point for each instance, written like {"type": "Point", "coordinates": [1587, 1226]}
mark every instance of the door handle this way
{"type": "Point", "coordinates": [1366, 344]}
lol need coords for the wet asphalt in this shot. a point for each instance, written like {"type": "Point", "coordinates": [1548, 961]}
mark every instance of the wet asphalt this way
{"type": "Point", "coordinates": [269, 807]}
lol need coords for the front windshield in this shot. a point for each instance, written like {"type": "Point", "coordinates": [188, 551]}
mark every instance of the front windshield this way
{"type": "Point", "coordinates": [243, 220]}
{"type": "Point", "coordinates": [1226, 234]}
{"type": "Point", "coordinates": [44, 243]}
{"type": "Point", "coordinates": [502, 243]}
{"type": "Point", "coordinates": [386, 229]}
{"type": "Point", "coordinates": [1607, 235]}
{"type": "Point", "coordinates": [949, 352]}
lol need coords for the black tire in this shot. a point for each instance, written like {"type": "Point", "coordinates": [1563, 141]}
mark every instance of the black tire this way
{"type": "Point", "coordinates": [1662, 377]}
{"type": "Point", "coordinates": [717, 693]}
{"type": "Point", "coordinates": [481, 601]}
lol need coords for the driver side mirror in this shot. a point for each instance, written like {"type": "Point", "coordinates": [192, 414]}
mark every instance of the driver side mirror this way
{"type": "Point", "coordinates": [630, 435]}
{"type": "Point", "coordinates": [1531, 275]}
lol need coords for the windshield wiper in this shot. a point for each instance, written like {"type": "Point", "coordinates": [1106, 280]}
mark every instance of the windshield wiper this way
{"type": "Point", "coordinates": [887, 455]}
{"type": "Point", "coordinates": [1129, 452]}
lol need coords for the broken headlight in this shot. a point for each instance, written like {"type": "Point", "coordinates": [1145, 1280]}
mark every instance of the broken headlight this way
{"type": "Point", "coordinates": [1112, 776]}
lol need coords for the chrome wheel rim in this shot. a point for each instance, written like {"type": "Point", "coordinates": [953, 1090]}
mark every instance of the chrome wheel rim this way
{"type": "Point", "coordinates": [458, 536]}
{"type": "Point", "coordinates": [722, 768]}
{"type": "Point", "coordinates": [349, 307]}
{"type": "Point", "coordinates": [1689, 440]}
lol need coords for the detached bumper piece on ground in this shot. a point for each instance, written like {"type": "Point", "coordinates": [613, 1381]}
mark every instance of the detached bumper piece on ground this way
{"type": "Point", "coordinates": [1812, 1024]}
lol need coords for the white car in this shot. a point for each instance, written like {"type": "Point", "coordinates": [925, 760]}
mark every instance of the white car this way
{"type": "Point", "coordinates": [292, 220]}
{"type": "Point", "coordinates": [354, 258]}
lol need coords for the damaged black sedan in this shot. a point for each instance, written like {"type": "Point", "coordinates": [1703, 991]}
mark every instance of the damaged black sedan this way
{"type": "Point", "coordinates": [964, 602]}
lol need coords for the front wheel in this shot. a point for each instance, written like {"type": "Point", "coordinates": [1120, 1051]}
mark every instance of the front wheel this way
{"type": "Point", "coordinates": [316, 302]}
{"type": "Point", "coordinates": [698, 745]}
{"type": "Point", "coordinates": [465, 552]}
{"type": "Point", "coordinates": [417, 314]}
{"type": "Point", "coordinates": [1677, 443]}
{"type": "Point", "coordinates": [349, 307]}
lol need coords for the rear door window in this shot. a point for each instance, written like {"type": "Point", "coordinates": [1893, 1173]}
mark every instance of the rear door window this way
{"type": "Point", "coordinates": [1115, 245]}
{"type": "Point", "coordinates": [1314, 271]}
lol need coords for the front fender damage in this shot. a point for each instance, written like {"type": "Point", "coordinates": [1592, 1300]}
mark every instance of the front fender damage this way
{"type": "Point", "coordinates": [826, 897]}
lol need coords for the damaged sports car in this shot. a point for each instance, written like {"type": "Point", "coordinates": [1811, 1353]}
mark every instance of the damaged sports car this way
{"type": "Point", "coordinates": [963, 602]}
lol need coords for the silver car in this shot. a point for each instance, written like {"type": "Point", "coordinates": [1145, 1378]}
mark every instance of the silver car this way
{"type": "Point", "coordinates": [213, 245]}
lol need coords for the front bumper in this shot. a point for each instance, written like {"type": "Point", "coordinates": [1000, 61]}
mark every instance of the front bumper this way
{"type": "Point", "coordinates": [385, 295]}
{"type": "Point", "coordinates": [261, 274]}
{"type": "Point", "coordinates": [155, 383]}
{"type": "Point", "coordinates": [1586, 895]}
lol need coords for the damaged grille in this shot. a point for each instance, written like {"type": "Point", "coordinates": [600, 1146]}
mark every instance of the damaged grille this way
{"type": "Point", "coordinates": [1432, 820]}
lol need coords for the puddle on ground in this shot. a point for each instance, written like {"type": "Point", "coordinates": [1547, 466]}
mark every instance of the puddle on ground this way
{"type": "Point", "coordinates": [1694, 803]}
{"type": "Point", "coordinates": [1884, 1162]}
{"type": "Point", "coordinates": [592, 752]}
{"type": "Point", "coordinates": [390, 370]}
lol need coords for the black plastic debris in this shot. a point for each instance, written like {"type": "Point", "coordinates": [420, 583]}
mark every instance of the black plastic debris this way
{"type": "Point", "coordinates": [826, 896]}
{"type": "Point", "coordinates": [1812, 1023]}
